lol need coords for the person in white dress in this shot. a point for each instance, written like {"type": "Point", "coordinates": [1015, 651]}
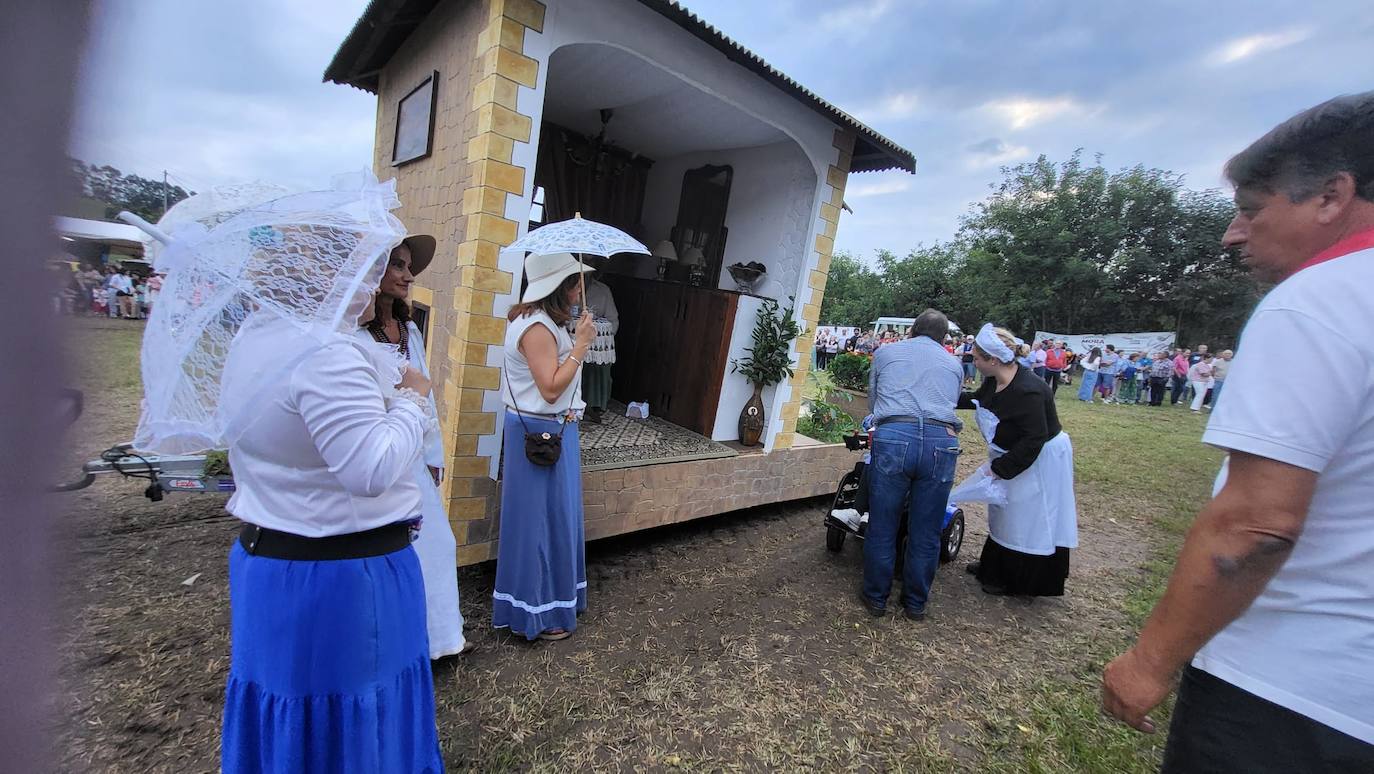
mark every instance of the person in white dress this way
{"type": "Point", "coordinates": [390, 325]}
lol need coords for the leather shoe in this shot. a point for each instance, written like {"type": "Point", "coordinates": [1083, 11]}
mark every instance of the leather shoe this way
{"type": "Point", "coordinates": [872, 609]}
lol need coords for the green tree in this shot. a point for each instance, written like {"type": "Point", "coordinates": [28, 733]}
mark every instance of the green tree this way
{"type": "Point", "coordinates": [119, 191]}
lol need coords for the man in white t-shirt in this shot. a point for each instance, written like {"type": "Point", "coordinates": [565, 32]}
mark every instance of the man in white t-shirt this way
{"type": "Point", "coordinates": [1270, 610]}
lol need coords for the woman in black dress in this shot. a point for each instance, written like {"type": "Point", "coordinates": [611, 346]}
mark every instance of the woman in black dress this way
{"type": "Point", "coordinates": [1027, 551]}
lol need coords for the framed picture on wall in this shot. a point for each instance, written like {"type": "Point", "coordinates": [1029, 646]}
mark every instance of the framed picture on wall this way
{"type": "Point", "coordinates": [415, 122]}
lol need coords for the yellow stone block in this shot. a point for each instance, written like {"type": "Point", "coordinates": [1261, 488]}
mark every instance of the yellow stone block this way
{"type": "Point", "coordinates": [791, 410]}
{"type": "Point", "coordinates": [474, 554]}
{"type": "Point", "coordinates": [464, 444]}
{"type": "Point", "coordinates": [482, 378]}
{"type": "Point", "coordinates": [844, 140]}
{"type": "Point", "coordinates": [502, 31]}
{"type": "Point", "coordinates": [503, 121]}
{"type": "Point", "coordinates": [499, 175]}
{"type": "Point", "coordinates": [528, 12]}
{"type": "Point", "coordinates": [824, 244]}
{"type": "Point", "coordinates": [487, 329]}
{"type": "Point", "coordinates": [823, 262]}
{"type": "Point", "coordinates": [818, 279]}
{"type": "Point", "coordinates": [458, 487]}
{"type": "Point", "coordinates": [483, 199]}
{"type": "Point", "coordinates": [811, 313]}
{"type": "Point", "coordinates": [470, 400]}
{"type": "Point", "coordinates": [784, 440]}
{"type": "Point", "coordinates": [491, 146]}
{"type": "Point", "coordinates": [496, 89]}
{"type": "Point", "coordinates": [482, 302]}
{"type": "Point", "coordinates": [479, 423]}
{"type": "Point", "coordinates": [836, 199]}
{"type": "Point", "coordinates": [490, 228]}
{"type": "Point", "coordinates": [836, 177]}
{"type": "Point", "coordinates": [510, 64]}
{"type": "Point", "coordinates": [828, 228]}
{"type": "Point", "coordinates": [846, 161]}
{"type": "Point", "coordinates": [460, 530]}
{"type": "Point", "coordinates": [477, 252]}
{"type": "Point", "coordinates": [467, 508]}
{"type": "Point", "coordinates": [830, 213]}
{"type": "Point", "coordinates": [469, 467]}
{"type": "Point", "coordinates": [492, 280]}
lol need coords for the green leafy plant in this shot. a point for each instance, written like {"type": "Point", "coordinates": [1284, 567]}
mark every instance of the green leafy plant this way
{"type": "Point", "coordinates": [770, 359]}
{"type": "Point", "coordinates": [822, 418]}
{"type": "Point", "coordinates": [217, 464]}
{"type": "Point", "coordinates": [851, 371]}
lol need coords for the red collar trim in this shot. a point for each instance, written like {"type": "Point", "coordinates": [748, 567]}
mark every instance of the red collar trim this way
{"type": "Point", "coordinates": [1360, 240]}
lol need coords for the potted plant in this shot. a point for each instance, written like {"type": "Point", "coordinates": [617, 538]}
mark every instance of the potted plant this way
{"type": "Point", "coordinates": [769, 362]}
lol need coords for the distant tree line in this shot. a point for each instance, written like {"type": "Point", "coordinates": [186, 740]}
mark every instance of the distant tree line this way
{"type": "Point", "coordinates": [120, 191]}
{"type": "Point", "coordinates": [1070, 248]}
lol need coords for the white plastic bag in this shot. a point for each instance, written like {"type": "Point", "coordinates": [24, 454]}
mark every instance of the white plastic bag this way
{"type": "Point", "coordinates": [981, 487]}
{"type": "Point", "coordinates": [637, 410]}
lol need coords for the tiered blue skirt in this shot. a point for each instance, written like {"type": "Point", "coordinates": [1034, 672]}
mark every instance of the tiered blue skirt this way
{"type": "Point", "coordinates": [329, 669]}
{"type": "Point", "coordinates": [541, 574]}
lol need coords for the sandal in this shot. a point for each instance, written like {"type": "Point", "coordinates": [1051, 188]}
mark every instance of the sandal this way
{"type": "Point", "coordinates": [553, 635]}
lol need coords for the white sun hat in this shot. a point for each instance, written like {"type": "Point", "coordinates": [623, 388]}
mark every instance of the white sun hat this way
{"type": "Point", "coordinates": [544, 273]}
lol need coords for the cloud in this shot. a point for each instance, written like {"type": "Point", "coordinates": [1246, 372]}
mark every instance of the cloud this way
{"type": "Point", "coordinates": [853, 15]}
{"type": "Point", "coordinates": [877, 188]}
{"type": "Point", "coordinates": [994, 151]}
{"type": "Point", "coordinates": [1021, 112]}
{"type": "Point", "coordinates": [1243, 48]}
{"type": "Point", "coordinates": [902, 104]}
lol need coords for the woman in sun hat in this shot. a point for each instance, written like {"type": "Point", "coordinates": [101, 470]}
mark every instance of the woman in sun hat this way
{"type": "Point", "coordinates": [391, 326]}
{"type": "Point", "coordinates": [541, 579]}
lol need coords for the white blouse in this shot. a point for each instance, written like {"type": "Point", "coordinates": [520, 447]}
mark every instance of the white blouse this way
{"type": "Point", "coordinates": [326, 454]}
{"type": "Point", "coordinates": [520, 381]}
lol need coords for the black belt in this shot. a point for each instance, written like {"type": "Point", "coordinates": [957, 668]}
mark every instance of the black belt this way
{"type": "Point", "coordinates": [906, 420]}
{"type": "Point", "coordinates": [273, 544]}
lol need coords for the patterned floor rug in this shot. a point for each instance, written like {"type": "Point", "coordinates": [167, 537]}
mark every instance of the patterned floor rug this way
{"type": "Point", "coordinates": [621, 442]}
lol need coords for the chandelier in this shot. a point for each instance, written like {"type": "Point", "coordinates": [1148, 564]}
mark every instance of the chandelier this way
{"type": "Point", "coordinates": [601, 155]}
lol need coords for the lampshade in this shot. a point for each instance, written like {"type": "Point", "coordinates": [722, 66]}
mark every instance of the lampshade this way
{"type": "Point", "coordinates": [665, 249]}
{"type": "Point", "coordinates": [694, 257]}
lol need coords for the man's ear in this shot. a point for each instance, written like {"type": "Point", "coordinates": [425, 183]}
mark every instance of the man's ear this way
{"type": "Point", "coordinates": [1335, 198]}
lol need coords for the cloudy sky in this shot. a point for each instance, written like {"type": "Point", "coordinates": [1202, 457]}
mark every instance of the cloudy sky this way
{"type": "Point", "coordinates": [223, 91]}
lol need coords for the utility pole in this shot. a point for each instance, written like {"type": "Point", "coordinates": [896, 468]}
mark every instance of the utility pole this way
{"type": "Point", "coordinates": [164, 192]}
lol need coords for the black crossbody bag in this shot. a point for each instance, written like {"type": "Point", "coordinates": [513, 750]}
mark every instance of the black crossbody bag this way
{"type": "Point", "coordinates": [544, 449]}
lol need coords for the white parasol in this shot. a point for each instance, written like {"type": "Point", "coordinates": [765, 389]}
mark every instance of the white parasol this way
{"type": "Point", "coordinates": [578, 236]}
{"type": "Point", "coordinates": [301, 267]}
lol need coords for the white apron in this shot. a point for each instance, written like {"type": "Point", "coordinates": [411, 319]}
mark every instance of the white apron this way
{"type": "Point", "coordinates": [435, 544]}
{"type": "Point", "coordinates": [1040, 513]}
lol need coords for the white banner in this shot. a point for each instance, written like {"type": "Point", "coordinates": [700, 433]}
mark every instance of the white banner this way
{"type": "Point", "coordinates": [1149, 343]}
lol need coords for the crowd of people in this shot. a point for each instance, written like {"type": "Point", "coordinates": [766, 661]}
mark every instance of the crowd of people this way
{"type": "Point", "coordinates": [1269, 615]}
{"type": "Point", "coordinates": [115, 292]}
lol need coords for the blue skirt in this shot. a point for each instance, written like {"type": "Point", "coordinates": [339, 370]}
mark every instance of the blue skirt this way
{"type": "Point", "coordinates": [541, 573]}
{"type": "Point", "coordinates": [329, 668]}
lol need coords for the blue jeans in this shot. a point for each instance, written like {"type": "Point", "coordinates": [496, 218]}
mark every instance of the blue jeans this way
{"type": "Point", "coordinates": [913, 465]}
{"type": "Point", "coordinates": [1216, 394]}
{"type": "Point", "coordinates": [970, 372]}
{"type": "Point", "coordinates": [1085, 389]}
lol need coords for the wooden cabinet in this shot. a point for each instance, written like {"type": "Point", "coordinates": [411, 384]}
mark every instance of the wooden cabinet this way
{"type": "Point", "coordinates": [672, 349]}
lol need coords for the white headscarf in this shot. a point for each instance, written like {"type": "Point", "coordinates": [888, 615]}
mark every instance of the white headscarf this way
{"type": "Point", "coordinates": [992, 344]}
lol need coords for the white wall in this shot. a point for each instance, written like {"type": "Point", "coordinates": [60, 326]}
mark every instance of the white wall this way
{"type": "Point", "coordinates": [767, 218]}
{"type": "Point", "coordinates": [632, 27]}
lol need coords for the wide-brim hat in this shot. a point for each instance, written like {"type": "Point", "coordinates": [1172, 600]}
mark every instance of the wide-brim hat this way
{"type": "Point", "coordinates": [422, 247]}
{"type": "Point", "coordinates": [544, 273]}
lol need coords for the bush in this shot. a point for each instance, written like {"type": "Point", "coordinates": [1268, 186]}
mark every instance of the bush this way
{"type": "Point", "coordinates": [823, 419]}
{"type": "Point", "coordinates": [851, 371]}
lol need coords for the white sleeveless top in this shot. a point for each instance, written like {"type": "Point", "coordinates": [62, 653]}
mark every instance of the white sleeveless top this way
{"type": "Point", "coordinates": [519, 380]}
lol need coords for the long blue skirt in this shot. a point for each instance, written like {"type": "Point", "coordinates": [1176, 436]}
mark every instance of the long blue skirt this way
{"type": "Point", "coordinates": [541, 572]}
{"type": "Point", "coordinates": [329, 669]}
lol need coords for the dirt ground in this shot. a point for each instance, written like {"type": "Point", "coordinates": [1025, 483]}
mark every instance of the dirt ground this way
{"type": "Point", "coordinates": [730, 643]}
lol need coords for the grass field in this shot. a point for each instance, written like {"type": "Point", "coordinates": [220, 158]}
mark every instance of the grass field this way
{"type": "Point", "coordinates": [731, 643]}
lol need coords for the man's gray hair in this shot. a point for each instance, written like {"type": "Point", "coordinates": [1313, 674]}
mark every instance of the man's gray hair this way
{"type": "Point", "coordinates": [1299, 156]}
{"type": "Point", "coordinates": [931, 323]}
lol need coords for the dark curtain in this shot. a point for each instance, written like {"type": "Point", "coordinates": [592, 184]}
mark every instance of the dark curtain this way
{"type": "Point", "coordinates": [595, 190]}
